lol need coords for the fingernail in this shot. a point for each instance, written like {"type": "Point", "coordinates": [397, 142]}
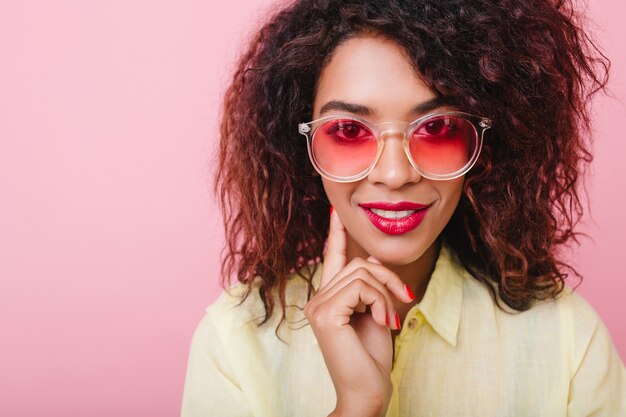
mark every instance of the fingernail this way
{"type": "Point", "coordinates": [387, 320]}
{"type": "Point", "coordinates": [397, 320]}
{"type": "Point", "coordinates": [372, 259]}
{"type": "Point", "coordinates": [331, 209]}
{"type": "Point", "coordinates": [409, 292]}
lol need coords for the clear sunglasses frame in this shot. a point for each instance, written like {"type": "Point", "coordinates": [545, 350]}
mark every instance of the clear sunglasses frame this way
{"type": "Point", "coordinates": [480, 124]}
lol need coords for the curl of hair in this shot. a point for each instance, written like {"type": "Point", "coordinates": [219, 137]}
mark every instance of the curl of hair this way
{"type": "Point", "coordinates": [527, 64]}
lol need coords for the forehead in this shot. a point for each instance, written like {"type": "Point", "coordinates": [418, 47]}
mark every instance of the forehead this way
{"type": "Point", "coordinates": [373, 72]}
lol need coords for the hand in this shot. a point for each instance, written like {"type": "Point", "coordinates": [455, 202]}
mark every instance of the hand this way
{"type": "Point", "coordinates": [351, 315]}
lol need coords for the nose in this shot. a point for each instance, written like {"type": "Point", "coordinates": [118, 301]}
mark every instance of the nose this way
{"type": "Point", "coordinates": [393, 167]}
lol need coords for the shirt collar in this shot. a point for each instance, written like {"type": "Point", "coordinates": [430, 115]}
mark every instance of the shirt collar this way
{"type": "Point", "coordinates": [442, 302]}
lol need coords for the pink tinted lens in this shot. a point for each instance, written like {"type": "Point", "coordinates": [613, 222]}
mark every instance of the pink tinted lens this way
{"type": "Point", "coordinates": [443, 144]}
{"type": "Point", "coordinates": [344, 147]}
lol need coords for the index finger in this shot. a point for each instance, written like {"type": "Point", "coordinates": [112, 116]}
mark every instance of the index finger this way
{"type": "Point", "coordinates": [335, 256]}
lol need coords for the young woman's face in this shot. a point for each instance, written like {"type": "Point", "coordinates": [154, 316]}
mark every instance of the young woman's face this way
{"type": "Point", "coordinates": [374, 73]}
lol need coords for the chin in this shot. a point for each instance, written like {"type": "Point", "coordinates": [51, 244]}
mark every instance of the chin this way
{"type": "Point", "coordinates": [395, 261]}
{"type": "Point", "coordinates": [391, 250]}
{"type": "Point", "coordinates": [398, 257]}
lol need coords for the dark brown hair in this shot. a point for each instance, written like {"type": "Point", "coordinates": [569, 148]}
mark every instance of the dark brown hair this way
{"type": "Point", "coordinates": [527, 64]}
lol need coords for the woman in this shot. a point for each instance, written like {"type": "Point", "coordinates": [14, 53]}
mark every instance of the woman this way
{"type": "Point", "coordinates": [449, 137]}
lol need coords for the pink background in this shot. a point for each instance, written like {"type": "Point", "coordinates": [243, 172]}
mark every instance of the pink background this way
{"type": "Point", "coordinates": [110, 239]}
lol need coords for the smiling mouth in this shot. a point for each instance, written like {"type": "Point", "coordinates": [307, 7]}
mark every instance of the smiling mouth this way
{"type": "Point", "coordinates": [392, 214]}
{"type": "Point", "coordinates": [395, 222]}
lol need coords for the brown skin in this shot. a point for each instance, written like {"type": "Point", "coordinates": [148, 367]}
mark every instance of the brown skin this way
{"type": "Point", "coordinates": [374, 72]}
{"type": "Point", "coordinates": [495, 64]}
{"type": "Point", "coordinates": [362, 265]}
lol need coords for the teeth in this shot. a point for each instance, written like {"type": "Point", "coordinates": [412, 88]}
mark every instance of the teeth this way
{"type": "Point", "coordinates": [392, 214]}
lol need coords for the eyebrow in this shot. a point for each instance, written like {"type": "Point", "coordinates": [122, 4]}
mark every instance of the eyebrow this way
{"type": "Point", "coordinates": [362, 110]}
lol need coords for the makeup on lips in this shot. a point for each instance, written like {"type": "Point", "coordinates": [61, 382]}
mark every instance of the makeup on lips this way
{"type": "Point", "coordinates": [395, 218]}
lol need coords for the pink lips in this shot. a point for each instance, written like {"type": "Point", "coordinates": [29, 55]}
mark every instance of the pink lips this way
{"type": "Point", "coordinates": [396, 226]}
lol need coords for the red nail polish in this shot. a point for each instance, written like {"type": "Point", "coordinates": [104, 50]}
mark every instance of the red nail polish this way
{"type": "Point", "coordinates": [331, 209]}
{"type": "Point", "coordinates": [409, 292]}
{"type": "Point", "coordinates": [397, 320]}
{"type": "Point", "coordinates": [387, 320]}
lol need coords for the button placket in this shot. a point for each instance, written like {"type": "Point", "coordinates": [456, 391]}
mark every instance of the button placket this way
{"type": "Point", "coordinates": [412, 323]}
{"type": "Point", "coordinates": [409, 323]}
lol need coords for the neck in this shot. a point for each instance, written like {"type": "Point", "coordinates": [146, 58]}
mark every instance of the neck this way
{"type": "Point", "coordinates": [415, 275]}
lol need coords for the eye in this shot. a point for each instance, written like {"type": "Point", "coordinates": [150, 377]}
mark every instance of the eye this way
{"type": "Point", "coordinates": [438, 127]}
{"type": "Point", "coordinates": [347, 131]}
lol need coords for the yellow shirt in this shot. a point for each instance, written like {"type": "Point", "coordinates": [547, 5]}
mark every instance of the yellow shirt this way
{"type": "Point", "coordinates": [456, 355]}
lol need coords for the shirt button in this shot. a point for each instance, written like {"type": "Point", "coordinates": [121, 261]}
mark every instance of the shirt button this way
{"type": "Point", "coordinates": [412, 323]}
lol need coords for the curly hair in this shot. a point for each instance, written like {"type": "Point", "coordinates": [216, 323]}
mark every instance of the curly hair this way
{"type": "Point", "coordinates": [527, 64]}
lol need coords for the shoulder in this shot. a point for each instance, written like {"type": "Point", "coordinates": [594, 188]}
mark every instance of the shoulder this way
{"type": "Point", "coordinates": [230, 339]}
{"type": "Point", "coordinates": [231, 352]}
{"type": "Point", "coordinates": [578, 320]}
{"type": "Point", "coordinates": [588, 335]}
{"type": "Point", "coordinates": [597, 373]}
{"type": "Point", "coordinates": [236, 305]}
{"type": "Point", "coordinates": [573, 307]}
{"type": "Point", "coordinates": [566, 316]}
{"type": "Point", "coordinates": [239, 311]}
{"type": "Point", "coordinates": [567, 307]}
{"type": "Point", "coordinates": [566, 325]}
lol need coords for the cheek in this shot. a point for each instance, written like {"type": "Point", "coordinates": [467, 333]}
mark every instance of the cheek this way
{"type": "Point", "coordinates": [451, 194]}
{"type": "Point", "coordinates": [339, 189]}
{"type": "Point", "coordinates": [328, 188]}
{"type": "Point", "coordinates": [337, 193]}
